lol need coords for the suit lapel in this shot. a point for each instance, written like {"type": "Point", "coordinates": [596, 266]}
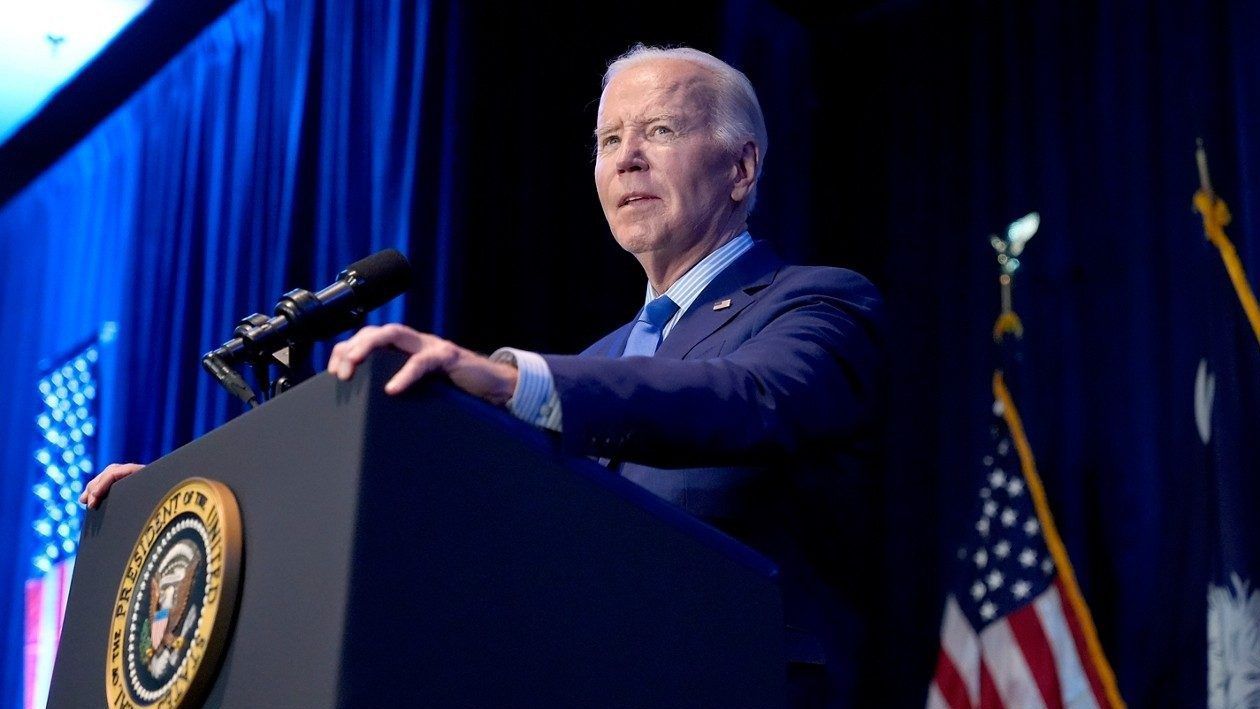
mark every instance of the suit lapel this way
{"type": "Point", "coordinates": [740, 282]}
{"type": "Point", "coordinates": [617, 343]}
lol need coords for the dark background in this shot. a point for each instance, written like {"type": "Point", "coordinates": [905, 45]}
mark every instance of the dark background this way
{"type": "Point", "coordinates": [291, 138]}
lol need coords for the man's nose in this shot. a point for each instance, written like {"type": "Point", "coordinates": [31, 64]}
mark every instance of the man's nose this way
{"type": "Point", "coordinates": [630, 157]}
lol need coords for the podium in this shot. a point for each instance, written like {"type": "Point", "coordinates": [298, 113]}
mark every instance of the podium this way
{"type": "Point", "coordinates": [429, 550]}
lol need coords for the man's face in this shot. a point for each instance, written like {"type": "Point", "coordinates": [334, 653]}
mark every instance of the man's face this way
{"type": "Point", "coordinates": [663, 181]}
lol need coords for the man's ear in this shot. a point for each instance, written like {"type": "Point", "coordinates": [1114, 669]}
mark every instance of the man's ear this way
{"type": "Point", "coordinates": [746, 164]}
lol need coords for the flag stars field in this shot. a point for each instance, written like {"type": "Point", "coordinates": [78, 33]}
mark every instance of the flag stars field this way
{"type": "Point", "coordinates": [994, 580]}
{"type": "Point", "coordinates": [1020, 589]}
{"type": "Point", "coordinates": [1027, 558]}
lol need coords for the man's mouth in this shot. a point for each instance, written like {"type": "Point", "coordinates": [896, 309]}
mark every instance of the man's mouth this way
{"type": "Point", "coordinates": [636, 198]}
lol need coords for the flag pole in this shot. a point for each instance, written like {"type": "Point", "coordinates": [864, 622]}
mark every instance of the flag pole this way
{"type": "Point", "coordinates": [1008, 252]}
{"type": "Point", "coordinates": [1216, 217]}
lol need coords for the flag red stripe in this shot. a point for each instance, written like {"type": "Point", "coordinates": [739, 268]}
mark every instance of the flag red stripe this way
{"type": "Point", "coordinates": [989, 697]}
{"type": "Point", "coordinates": [950, 683]}
{"type": "Point", "coordinates": [61, 597]}
{"type": "Point", "coordinates": [1082, 650]}
{"type": "Point", "coordinates": [34, 594]}
{"type": "Point", "coordinates": [1031, 636]}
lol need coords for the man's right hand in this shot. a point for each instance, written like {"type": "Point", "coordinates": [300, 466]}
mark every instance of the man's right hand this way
{"type": "Point", "coordinates": [99, 487]}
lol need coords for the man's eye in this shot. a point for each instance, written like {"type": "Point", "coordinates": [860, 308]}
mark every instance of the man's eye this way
{"type": "Point", "coordinates": [608, 141]}
{"type": "Point", "coordinates": [661, 130]}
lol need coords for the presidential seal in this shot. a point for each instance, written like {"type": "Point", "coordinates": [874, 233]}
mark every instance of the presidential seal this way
{"type": "Point", "coordinates": [174, 607]}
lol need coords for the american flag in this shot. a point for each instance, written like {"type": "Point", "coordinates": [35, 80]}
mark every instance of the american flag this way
{"type": "Point", "coordinates": [64, 457]}
{"type": "Point", "coordinates": [1016, 631]}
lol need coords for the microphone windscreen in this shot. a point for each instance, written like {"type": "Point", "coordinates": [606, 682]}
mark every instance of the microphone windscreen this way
{"type": "Point", "coordinates": [382, 276]}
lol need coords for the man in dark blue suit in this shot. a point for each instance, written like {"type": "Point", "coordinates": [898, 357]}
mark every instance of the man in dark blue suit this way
{"type": "Point", "coordinates": [745, 391]}
{"type": "Point", "coordinates": [758, 415]}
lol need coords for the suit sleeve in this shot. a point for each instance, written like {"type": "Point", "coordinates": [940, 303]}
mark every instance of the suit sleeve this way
{"type": "Point", "coordinates": [805, 379]}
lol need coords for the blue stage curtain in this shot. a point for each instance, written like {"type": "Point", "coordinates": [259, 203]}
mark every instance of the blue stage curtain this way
{"type": "Point", "coordinates": [277, 148]}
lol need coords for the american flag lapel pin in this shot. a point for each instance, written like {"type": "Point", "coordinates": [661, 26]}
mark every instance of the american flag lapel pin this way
{"type": "Point", "coordinates": [722, 304]}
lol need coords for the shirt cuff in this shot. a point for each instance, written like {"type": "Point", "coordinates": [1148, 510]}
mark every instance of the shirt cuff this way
{"type": "Point", "coordinates": [535, 400]}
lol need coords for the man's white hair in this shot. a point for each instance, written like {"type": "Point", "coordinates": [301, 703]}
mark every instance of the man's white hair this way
{"type": "Point", "coordinates": [735, 115]}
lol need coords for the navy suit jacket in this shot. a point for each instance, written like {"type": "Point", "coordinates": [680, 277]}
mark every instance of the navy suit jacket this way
{"type": "Point", "coordinates": [761, 417]}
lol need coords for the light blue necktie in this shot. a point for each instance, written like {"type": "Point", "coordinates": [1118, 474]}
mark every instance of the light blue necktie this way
{"type": "Point", "coordinates": [645, 336]}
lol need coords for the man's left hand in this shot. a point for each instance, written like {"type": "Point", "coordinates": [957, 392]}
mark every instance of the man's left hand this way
{"type": "Point", "coordinates": [474, 373]}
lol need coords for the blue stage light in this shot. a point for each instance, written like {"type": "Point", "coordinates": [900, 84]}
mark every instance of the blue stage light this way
{"type": "Point", "coordinates": [48, 43]}
{"type": "Point", "coordinates": [68, 425]}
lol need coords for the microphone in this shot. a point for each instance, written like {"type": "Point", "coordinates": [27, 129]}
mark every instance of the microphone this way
{"type": "Point", "coordinates": [302, 316]}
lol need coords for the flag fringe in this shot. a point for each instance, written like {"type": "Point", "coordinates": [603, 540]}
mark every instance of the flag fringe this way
{"type": "Point", "coordinates": [1057, 550]}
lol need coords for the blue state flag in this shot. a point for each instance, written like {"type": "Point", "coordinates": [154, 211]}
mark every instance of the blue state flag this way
{"type": "Point", "coordinates": [1227, 423]}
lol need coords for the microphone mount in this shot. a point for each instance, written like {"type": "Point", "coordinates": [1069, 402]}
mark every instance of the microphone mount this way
{"type": "Point", "coordinates": [284, 340]}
